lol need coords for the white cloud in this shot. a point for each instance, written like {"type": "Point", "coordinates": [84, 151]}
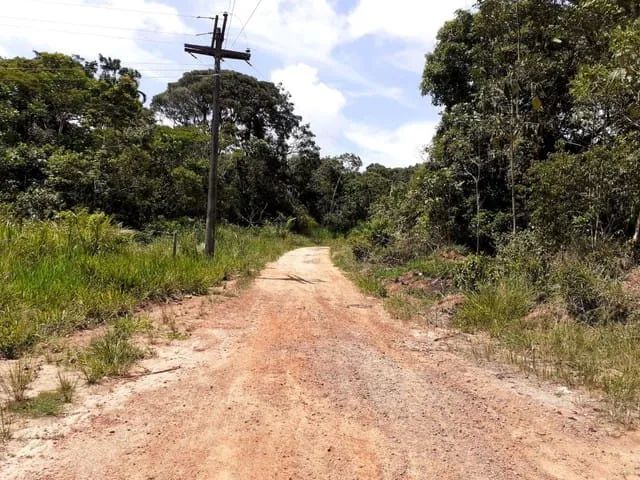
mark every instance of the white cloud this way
{"type": "Point", "coordinates": [318, 103]}
{"type": "Point", "coordinates": [302, 31]}
{"type": "Point", "coordinates": [293, 30]}
{"type": "Point", "coordinates": [400, 147]}
{"type": "Point", "coordinates": [119, 28]}
{"type": "Point", "coordinates": [303, 35]}
{"type": "Point", "coordinates": [410, 20]}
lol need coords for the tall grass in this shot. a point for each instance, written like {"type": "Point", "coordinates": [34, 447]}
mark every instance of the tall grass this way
{"type": "Point", "coordinates": [81, 270]}
{"type": "Point", "coordinates": [496, 306]}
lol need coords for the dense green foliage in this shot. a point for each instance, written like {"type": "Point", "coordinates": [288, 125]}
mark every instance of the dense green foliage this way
{"type": "Point", "coordinates": [77, 134]}
{"type": "Point", "coordinates": [539, 128]}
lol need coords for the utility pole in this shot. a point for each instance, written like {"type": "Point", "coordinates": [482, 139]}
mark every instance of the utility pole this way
{"type": "Point", "coordinates": [216, 51]}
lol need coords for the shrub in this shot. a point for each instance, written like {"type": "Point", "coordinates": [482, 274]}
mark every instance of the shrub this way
{"type": "Point", "coordinates": [302, 223]}
{"type": "Point", "coordinates": [589, 295]}
{"type": "Point", "coordinates": [369, 239]}
{"type": "Point", "coordinates": [470, 272]}
{"type": "Point", "coordinates": [524, 255]}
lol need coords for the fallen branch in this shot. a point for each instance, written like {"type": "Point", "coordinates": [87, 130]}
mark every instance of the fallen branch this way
{"type": "Point", "coordinates": [157, 372]}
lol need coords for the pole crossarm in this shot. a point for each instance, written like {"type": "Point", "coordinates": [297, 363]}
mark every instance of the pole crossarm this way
{"type": "Point", "coordinates": [212, 52]}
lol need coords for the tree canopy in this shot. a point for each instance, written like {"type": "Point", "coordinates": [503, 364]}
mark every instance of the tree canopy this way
{"type": "Point", "coordinates": [77, 134]}
{"type": "Point", "coordinates": [539, 125]}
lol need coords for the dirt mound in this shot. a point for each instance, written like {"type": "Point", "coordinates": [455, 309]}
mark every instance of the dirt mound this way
{"type": "Point", "coordinates": [441, 313]}
{"type": "Point", "coordinates": [417, 282]}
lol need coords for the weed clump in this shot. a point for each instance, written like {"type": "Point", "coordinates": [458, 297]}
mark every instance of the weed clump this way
{"type": "Point", "coordinates": [6, 422]}
{"type": "Point", "coordinates": [66, 387]}
{"type": "Point", "coordinates": [45, 404]}
{"type": "Point", "coordinates": [590, 296]}
{"type": "Point", "coordinates": [17, 379]}
{"type": "Point", "coordinates": [110, 355]}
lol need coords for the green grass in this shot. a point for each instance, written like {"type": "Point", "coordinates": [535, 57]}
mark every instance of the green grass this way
{"type": "Point", "coordinates": [368, 277]}
{"type": "Point", "coordinates": [45, 404]}
{"type": "Point", "coordinates": [110, 355]}
{"type": "Point", "coordinates": [496, 306]}
{"type": "Point", "coordinates": [82, 270]}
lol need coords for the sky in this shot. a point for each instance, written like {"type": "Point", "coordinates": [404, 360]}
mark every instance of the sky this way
{"type": "Point", "coordinates": [352, 67]}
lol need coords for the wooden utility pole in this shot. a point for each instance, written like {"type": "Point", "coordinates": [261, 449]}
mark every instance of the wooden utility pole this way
{"type": "Point", "coordinates": [216, 51]}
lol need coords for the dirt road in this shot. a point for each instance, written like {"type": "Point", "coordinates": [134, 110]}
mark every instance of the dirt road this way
{"type": "Point", "coordinates": [303, 377]}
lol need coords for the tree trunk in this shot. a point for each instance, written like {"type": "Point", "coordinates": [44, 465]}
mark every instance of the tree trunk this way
{"type": "Point", "coordinates": [636, 236]}
{"type": "Point", "coordinates": [513, 187]}
{"type": "Point", "coordinates": [478, 211]}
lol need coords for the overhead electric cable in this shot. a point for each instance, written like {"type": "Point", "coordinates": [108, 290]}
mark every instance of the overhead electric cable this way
{"type": "Point", "coordinates": [233, 9]}
{"type": "Point", "coordinates": [91, 34]}
{"type": "Point", "coordinates": [246, 23]}
{"type": "Point", "coordinates": [108, 7]}
{"type": "Point", "coordinates": [88, 25]}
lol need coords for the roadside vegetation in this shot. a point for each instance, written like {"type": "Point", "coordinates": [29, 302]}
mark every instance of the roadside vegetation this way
{"type": "Point", "coordinates": [525, 221]}
{"type": "Point", "coordinates": [569, 317]}
{"type": "Point", "coordinates": [82, 270]}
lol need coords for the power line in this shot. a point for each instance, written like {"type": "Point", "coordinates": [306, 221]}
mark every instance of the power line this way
{"type": "Point", "coordinates": [69, 69]}
{"type": "Point", "coordinates": [87, 25]}
{"type": "Point", "coordinates": [79, 80]}
{"type": "Point", "coordinates": [246, 23]}
{"type": "Point", "coordinates": [107, 7]}
{"type": "Point", "coordinates": [91, 34]}
{"type": "Point", "coordinates": [233, 9]}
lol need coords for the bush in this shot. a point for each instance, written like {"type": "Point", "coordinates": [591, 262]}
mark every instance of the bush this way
{"type": "Point", "coordinates": [369, 239]}
{"type": "Point", "coordinates": [471, 271]}
{"type": "Point", "coordinates": [589, 295]}
{"type": "Point", "coordinates": [303, 224]}
{"type": "Point", "coordinates": [524, 255]}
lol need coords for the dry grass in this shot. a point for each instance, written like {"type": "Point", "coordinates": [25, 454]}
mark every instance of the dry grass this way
{"type": "Point", "coordinates": [67, 386]}
{"type": "Point", "coordinates": [6, 424]}
{"type": "Point", "coordinates": [17, 379]}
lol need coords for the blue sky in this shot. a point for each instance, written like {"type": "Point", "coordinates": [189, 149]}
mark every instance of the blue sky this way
{"type": "Point", "coordinates": [352, 66]}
